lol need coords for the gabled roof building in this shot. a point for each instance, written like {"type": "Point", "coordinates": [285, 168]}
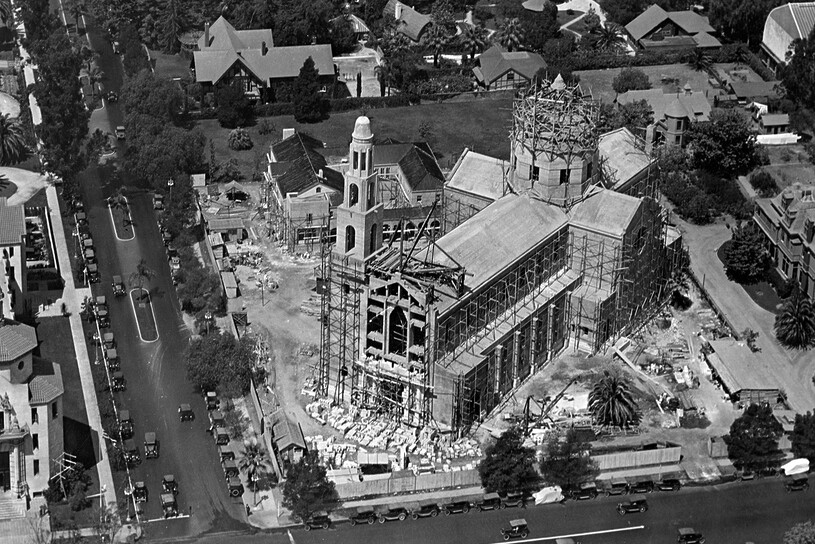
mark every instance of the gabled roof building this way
{"type": "Point", "coordinates": [411, 23]}
{"type": "Point", "coordinates": [784, 25]}
{"type": "Point", "coordinates": [500, 69]}
{"type": "Point", "coordinates": [657, 29]}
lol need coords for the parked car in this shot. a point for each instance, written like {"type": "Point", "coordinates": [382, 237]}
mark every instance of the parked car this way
{"type": "Point", "coordinates": [131, 452]}
{"type": "Point", "coordinates": [235, 487]}
{"type": "Point", "coordinates": [318, 520]}
{"type": "Point", "coordinates": [617, 486]}
{"type": "Point", "coordinates": [635, 503]}
{"type": "Point", "coordinates": [185, 412]}
{"type": "Point", "coordinates": [140, 493]}
{"type": "Point", "coordinates": [516, 499]}
{"type": "Point", "coordinates": [586, 490]}
{"type": "Point", "coordinates": [118, 286]}
{"type": "Point", "coordinates": [671, 484]}
{"type": "Point", "coordinates": [517, 529]}
{"type": "Point", "coordinates": [641, 486]}
{"type": "Point", "coordinates": [113, 97]}
{"type": "Point", "coordinates": [393, 513]}
{"type": "Point", "coordinates": [221, 436]}
{"type": "Point", "coordinates": [150, 446]}
{"type": "Point", "coordinates": [112, 357]}
{"type": "Point", "coordinates": [688, 535]}
{"type": "Point", "coordinates": [120, 132]}
{"type": "Point", "coordinates": [118, 381]}
{"type": "Point", "coordinates": [158, 201]}
{"type": "Point", "coordinates": [230, 468]}
{"type": "Point", "coordinates": [456, 507]}
{"type": "Point", "coordinates": [212, 400]}
{"type": "Point", "coordinates": [226, 454]}
{"type": "Point", "coordinates": [364, 514]}
{"type": "Point", "coordinates": [125, 424]}
{"type": "Point", "coordinates": [491, 501]}
{"type": "Point", "coordinates": [168, 505]}
{"type": "Point", "coordinates": [798, 482]}
{"type": "Point", "coordinates": [169, 484]}
{"type": "Point", "coordinates": [426, 510]}
{"type": "Point", "coordinates": [92, 272]}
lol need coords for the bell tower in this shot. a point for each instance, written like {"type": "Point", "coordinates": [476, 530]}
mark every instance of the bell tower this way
{"type": "Point", "coordinates": [359, 217]}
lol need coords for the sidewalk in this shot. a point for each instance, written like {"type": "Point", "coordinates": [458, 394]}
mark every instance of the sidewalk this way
{"type": "Point", "coordinates": [72, 297]}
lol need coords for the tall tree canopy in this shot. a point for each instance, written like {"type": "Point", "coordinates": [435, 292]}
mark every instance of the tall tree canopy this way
{"type": "Point", "coordinates": [725, 145]}
{"type": "Point", "coordinates": [508, 465]}
{"type": "Point", "coordinates": [611, 401]}
{"type": "Point", "coordinates": [741, 20]}
{"type": "Point", "coordinates": [307, 490]}
{"type": "Point", "coordinates": [746, 258]}
{"type": "Point", "coordinates": [797, 76]}
{"type": "Point", "coordinates": [309, 105]}
{"type": "Point", "coordinates": [795, 324]}
{"type": "Point", "coordinates": [566, 463]}
{"type": "Point", "coordinates": [752, 443]}
{"type": "Point", "coordinates": [803, 436]}
{"type": "Point", "coordinates": [630, 79]}
{"type": "Point", "coordinates": [801, 533]}
{"type": "Point", "coordinates": [219, 361]}
{"type": "Point", "coordinates": [301, 23]}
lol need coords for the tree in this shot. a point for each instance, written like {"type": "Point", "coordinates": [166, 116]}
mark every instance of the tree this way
{"type": "Point", "coordinates": [307, 490]}
{"type": "Point", "coordinates": [6, 12]}
{"type": "Point", "coordinates": [302, 23]}
{"type": "Point", "coordinates": [612, 403]}
{"type": "Point", "coordinates": [218, 361]}
{"type": "Point", "coordinates": [95, 76]}
{"type": "Point", "coordinates": [359, 84]}
{"type": "Point", "coordinates": [630, 79]}
{"type": "Point", "coordinates": [803, 436]}
{"type": "Point", "coordinates": [764, 183]}
{"type": "Point", "coordinates": [797, 76]}
{"type": "Point", "coordinates": [172, 27]}
{"type": "Point", "coordinates": [233, 108]}
{"type": "Point", "coordinates": [253, 14]}
{"type": "Point", "coordinates": [97, 144]}
{"type": "Point", "coordinates": [752, 443]}
{"type": "Point", "coordinates": [508, 465]}
{"type": "Point", "coordinates": [239, 140]}
{"type": "Point", "coordinates": [146, 94]}
{"type": "Point", "coordinates": [741, 20]}
{"type": "Point", "coordinates": [435, 39]}
{"type": "Point", "coordinates": [800, 533]}
{"type": "Point", "coordinates": [746, 259]}
{"type": "Point", "coordinates": [179, 208]}
{"type": "Point", "coordinates": [254, 461]}
{"type": "Point", "coordinates": [700, 60]}
{"type": "Point", "coordinates": [119, 202]}
{"type": "Point", "coordinates": [343, 38]}
{"type": "Point", "coordinates": [635, 116]}
{"type": "Point", "coordinates": [76, 9]}
{"type": "Point", "coordinates": [473, 39]}
{"type": "Point", "coordinates": [511, 34]}
{"type": "Point", "coordinates": [608, 37]}
{"type": "Point", "coordinates": [134, 57]}
{"type": "Point", "coordinates": [724, 145]}
{"type": "Point", "coordinates": [142, 274]}
{"type": "Point", "coordinates": [795, 324]}
{"type": "Point", "coordinates": [567, 463]}
{"type": "Point", "coordinates": [309, 106]}
{"type": "Point", "coordinates": [382, 72]}
{"type": "Point", "coordinates": [539, 27]}
{"type": "Point", "coordinates": [13, 147]}
{"type": "Point", "coordinates": [623, 12]}
{"type": "Point", "coordinates": [39, 21]}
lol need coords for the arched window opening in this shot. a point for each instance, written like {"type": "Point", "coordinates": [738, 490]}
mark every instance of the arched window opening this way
{"type": "Point", "coordinates": [372, 242]}
{"type": "Point", "coordinates": [350, 238]}
{"type": "Point", "coordinates": [397, 333]}
{"type": "Point", "coordinates": [353, 194]}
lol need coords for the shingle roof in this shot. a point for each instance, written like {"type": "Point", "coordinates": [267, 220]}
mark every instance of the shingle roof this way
{"type": "Point", "coordinates": [12, 223]}
{"type": "Point", "coordinates": [45, 384]}
{"type": "Point", "coordinates": [497, 236]}
{"type": "Point", "coordinates": [413, 22]}
{"type": "Point", "coordinates": [689, 21]}
{"type": "Point", "coordinates": [703, 39]}
{"type": "Point", "coordinates": [495, 62]}
{"type": "Point", "coordinates": [755, 89]}
{"type": "Point", "coordinates": [286, 433]}
{"type": "Point", "coordinates": [605, 211]}
{"type": "Point", "coordinates": [422, 171]}
{"type": "Point", "coordinates": [695, 103]}
{"type": "Point", "coordinates": [299, 152]}
{"type": "Point", "coordinates": [357, 24]}
{"type": "Point", "coordinates": [233, 223]}
{"type": "Point", "coordinates": [278, 62]}
{"type": "Point", "coordinates": [16, 339]}
{"type": "Point", "coordinates": [797, 19]}
{"type": "Point", "coordinates": [223, 36]}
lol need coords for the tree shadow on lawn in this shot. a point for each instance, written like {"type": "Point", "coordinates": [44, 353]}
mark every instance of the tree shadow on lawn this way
{"type": "Point", "coordinates": [762, 293]}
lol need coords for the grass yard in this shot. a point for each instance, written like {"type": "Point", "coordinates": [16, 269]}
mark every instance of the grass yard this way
{"type": "Point", "coordinates": [567, 16]}
{"type": "Point", "coordinates": [598, 82]}
{"type": "Point", "coordinates": [789, 164]}
{"type": "Point", "coordinates": [143, 308]}
{"type": "Point", "coordinates": [482, 125]}
{"type": "Point", "coordinates": [169, 66]}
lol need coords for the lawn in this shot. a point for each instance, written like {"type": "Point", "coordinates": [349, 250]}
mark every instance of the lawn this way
{"type": "Point", "coordinates": [789, 164]}
{"type": "Point", "coordinates": [169, 66]}
{"type": "Point", "coordinates": [482, 125]}
{"type": "Point", "coordinates": [143, 308]}
{"type": "Point", "coordinates": [598, 82]}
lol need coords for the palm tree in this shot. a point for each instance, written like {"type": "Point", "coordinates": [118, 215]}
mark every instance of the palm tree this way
{"type": "Point", "coordinates": [612, 403]}
{"type": "Point", "coordinates": [511, 34]}
{"type": "Point", "coordinates": [383, 76]}
{"type": "Point", "coordinates": [5, 12]}
{"type": "Point", "coordinates": [700, 61]}
{"type": "Point", "coordinates": [608, 38]}
{"type": "Point", "coordinates": [473, 39]}
{"type": "Point", "coordinates": [142, 274]}
{"type": "Point", "coordinates": [77, 8]}
{"type": "Point", "coordinates": [119, 202]}
{"type": "Point", "coordinates": [255, 461]}
{"type": "Point", "coordinates": [436, 39]}
{"type": "Point", "coordinates": [795, 325]}
{"type": "Point", "coordinates": [95, 76]}
{"type": "Point", "coordinates": [13, 147]}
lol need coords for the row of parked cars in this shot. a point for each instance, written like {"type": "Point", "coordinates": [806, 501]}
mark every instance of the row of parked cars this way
{"type": "Point", "coordinates": [217, 427]}
{"type": "Point", "coordinates": [621, 486]}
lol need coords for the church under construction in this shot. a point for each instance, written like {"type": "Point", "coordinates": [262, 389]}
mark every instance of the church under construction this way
{"type": "Point", "coordinates": [561, 253]}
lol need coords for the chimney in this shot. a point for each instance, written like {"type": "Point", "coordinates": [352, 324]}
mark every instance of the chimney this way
{"type": "Point", "coordinates": [398, 12]}
{"type": "Point", "coordinates": [320, 174]}
{"type": "Point", "coordinates": [206, 34]}
{"type": "Point", "coordinates": [288, 133]}
{"type": "Point", "coordinates": [263, 49]}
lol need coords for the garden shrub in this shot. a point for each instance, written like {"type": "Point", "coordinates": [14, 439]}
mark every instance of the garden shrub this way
{"type": "Point", "coordinates": [764, 183]}
{"type": "Point", "coordinates": [239, 140]}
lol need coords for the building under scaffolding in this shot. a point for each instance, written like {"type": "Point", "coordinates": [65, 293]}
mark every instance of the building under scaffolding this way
{"type": "Point", "coordinates": [441, 332]}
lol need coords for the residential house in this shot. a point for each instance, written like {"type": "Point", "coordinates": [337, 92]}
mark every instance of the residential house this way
{"type": "Point", "coordinates": [500, 69]}
{"type": "Point", "coordinates": [230, 228]}
{"type": "Point", "coordinates": [287, 438]}
{"type": "Point", "coordinates": [785, 24]}
{"type": "Point", "coordinates": [359, 26]}
{"type": "Point", "coordinates": [747, 92]}
{"type": "Point", "coordinates": [411, 23]}
{"type": "Point", "coordinates": [774, 123]}
{"type": "Point", "coordinates": [673, 113]}
{"type": "Point", "coordinates": [31, 425]}
{"type": "Point", "coordinates": [249, 58]}
{"type": "Point", "coordinates": [788, 223]}
{"type": "Point", "coordinates": [657, 29]}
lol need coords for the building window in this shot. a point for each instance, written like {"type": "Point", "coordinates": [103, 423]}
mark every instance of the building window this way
{"type": "Point", "coordinates": [372, 242]}
{"type": "Point", "coordinates": [35, 441]}
{"type": "Point", "coordinates": [36, 467]}
{"type": "Point", "coordinates": [397, 337]}
{"type": "Point", "coordinates": [309, 217]}
{"type": "Point", "coordinates": [317, 190]}
{"type": "Point", "coordinates": [785, 266]}
{"type": "Point", "coordinates": [418, 199]}
{"type": "Point", "coordinates": [54, 410]}
{"type": "Point", "coordinates": [35, 416]}
{"type": "Point", "coordinates": [362, 160]}
{"type": "Point", "coordinates": [534, 172]}
{"type": "Point", "coordinates": [589, 169]}
{"type": "Point", "coordinates": [678, 140]}
{"type": "Point", "coordinates": [355, 156]}
{"type": "Point", "coordinates": [2, 420]}
{"type": "Point", "coordinates": [565, 175]}
{"type": "Point", "coordinates": [353, 194]}
{"type": "Point", "coordinates": [350, 238]}
{"type": "Point", "coordinates": [511, 76]}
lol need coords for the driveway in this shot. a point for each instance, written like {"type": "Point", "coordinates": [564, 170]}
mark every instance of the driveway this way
{"type": "Point", "coordinates": [793, 370]}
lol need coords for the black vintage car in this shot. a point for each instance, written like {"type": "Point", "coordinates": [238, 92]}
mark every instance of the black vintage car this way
{"type": "Point", "coordinates": [617, 486]}
{"type": "Point", "coordinates": [318, 520]}
{"type": "Point", "coordinates": [517, 529]}
{"type": "Point", "coordinates": [125, 424]}
{"type": "Point", "coordinates": [140, 492]}
{"type": "Point", "coordinates": [426, 510]}
{"type": "Point", "coordinates": [798, 482]}
{"type": "Point", "coordinates": [688, 535]}
{"type": "Point", "coordinates": [515, 499]}
{"type": "Point", "coordinates": [169, 484]}
{"type": "Point", "coordinates": [641, 486]}
{"type": "Point", "coordinates": [585, 491]}
{"type": "Point", "coordinates": [671, 484]}
{"type": "Point", "coordinates": [363, 515]}
{"type": "Point", "coordinates": [185, 412]}
{"type": "Point", "coordinates": [635, 503]}
{"type": "Point", "coordinates": [394, 513]}
{"type": "Point", "coordinates": [457, 507]}
{"type": "Point", "coordinates": [491, 501]}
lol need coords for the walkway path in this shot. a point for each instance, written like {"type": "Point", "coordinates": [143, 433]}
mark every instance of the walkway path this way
{"type": "Point", "coordinates": [73, 297]}
{"type": "Point", "coordinates": [792, 370]}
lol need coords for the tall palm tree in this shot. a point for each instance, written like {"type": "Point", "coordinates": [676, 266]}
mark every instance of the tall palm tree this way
{"type": "Point", "coordinates": [795, 325]}
{"type": "Point", "coordinates": [511, 34]}
{"type": "Point", "coordinates": [95, 76]}
{"type": "Point", "coordinates": [255, 461]}
{"type": "Point", "coordinates": [6, 13]}
{"type": "Point", "coordinates": [608, 38]}
{"type": "Point", "coordinates": [383, 76]}
{"type": "Point", "coordinates": [700, 61]}
{"type": "Point", "coordinates": [436, 39]}
{"type": "Point", "coordinates": [13, 147]}
{"type": "Point", "coordinates": [473, 39]}
{"type": "Point", "coordinates": [612, 403]}
{"type": "Point", "coordinates": [142, 274]}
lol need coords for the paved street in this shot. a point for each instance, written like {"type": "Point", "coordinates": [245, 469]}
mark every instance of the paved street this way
{"type": "Point", "coordinates": [759, 511]}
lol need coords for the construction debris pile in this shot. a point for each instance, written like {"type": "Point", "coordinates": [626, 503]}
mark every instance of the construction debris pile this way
{"type": "Point", "coordinates": [419, 449]}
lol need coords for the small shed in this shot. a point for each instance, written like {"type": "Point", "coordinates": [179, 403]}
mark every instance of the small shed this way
{"type": "Point", "coordinates": [774, 123]}
{"type": "Point", "coordinates": [744, 376]}
{"type": "Point", "coordinates": [232, 229]}
{"type": "Point", "coordinates": [287, 436]}
{"type": "Point", "coordinates": [230, 284]}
